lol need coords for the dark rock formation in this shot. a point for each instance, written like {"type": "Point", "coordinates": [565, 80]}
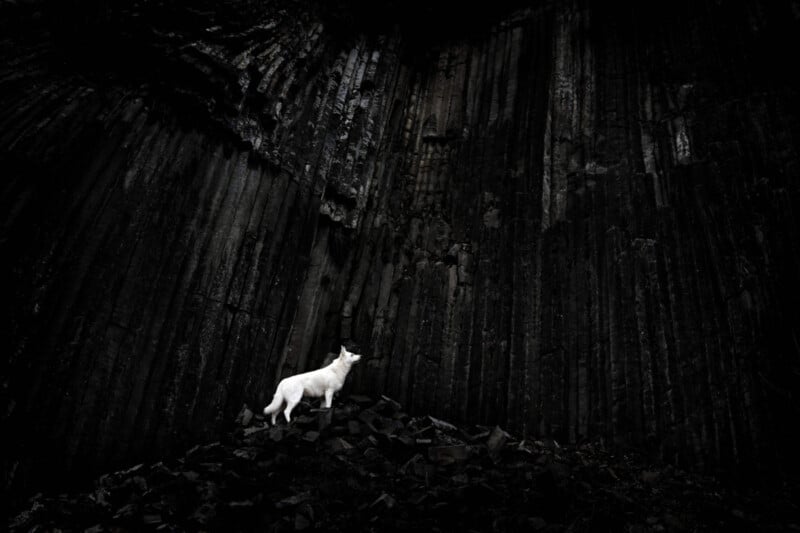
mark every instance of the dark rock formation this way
{"type": "Point", "coordinates": [576, 221]}
{"type": "Point", "coordinates": [337, 471]}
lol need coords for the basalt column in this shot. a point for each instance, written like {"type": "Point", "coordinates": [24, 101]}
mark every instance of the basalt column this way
{"type": "Point", "coordinates": [574, 221]}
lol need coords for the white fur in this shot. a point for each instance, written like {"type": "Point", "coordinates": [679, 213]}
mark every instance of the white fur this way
{"type": "Point", "coordinates": [317, 383]}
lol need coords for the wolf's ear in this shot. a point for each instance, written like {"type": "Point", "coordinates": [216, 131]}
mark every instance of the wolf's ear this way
{"type": "Point", "coordinates": [343, 351]}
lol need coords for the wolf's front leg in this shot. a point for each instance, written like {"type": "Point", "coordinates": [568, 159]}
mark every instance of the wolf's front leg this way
{"type": "Point", "coordinates": [328, 398]}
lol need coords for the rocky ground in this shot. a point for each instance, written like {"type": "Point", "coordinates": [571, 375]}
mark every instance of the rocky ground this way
{"type": "Point", "coordinates": [368, 466]}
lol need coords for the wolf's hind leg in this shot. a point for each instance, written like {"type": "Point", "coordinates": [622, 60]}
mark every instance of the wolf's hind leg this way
{"type": "Point", "coordinates": [290, 404]}
{"type": "Point", "coordinates": [275, 406]}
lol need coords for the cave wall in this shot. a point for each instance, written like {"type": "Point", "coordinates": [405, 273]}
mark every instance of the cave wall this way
{"type": "Point", "coordinates": [578, 222]}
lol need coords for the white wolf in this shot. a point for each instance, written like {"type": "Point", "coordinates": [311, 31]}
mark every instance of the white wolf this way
{"type": "Point", "coordinates": [317, 383]}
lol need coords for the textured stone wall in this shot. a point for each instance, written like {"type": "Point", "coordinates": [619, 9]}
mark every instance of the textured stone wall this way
{"type": "Point", "coordinates": [577, 222]}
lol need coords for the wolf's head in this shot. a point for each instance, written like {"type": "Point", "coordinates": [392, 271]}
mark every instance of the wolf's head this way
{"type": "Point", "coordinates": [348, 357]}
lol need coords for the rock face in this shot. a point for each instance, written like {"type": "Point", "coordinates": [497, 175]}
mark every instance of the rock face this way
{"type": "Point", "coordinates": [575, 221]}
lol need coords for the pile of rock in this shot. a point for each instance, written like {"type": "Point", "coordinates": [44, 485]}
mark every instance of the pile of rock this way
{"type": "Point", "coordinates": [367, 466]}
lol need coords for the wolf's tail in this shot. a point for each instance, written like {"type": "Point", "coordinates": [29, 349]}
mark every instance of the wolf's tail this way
{"type": "Point", "coordinates": [273, 407]}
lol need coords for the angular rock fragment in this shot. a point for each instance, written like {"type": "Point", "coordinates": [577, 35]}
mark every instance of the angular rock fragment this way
{"type": "Point", "coordinates": [126, 511]}
{"type": "Point", "coordinates": [391, 405]}
{"type": "Point", "coordinates": [338, 444]}
{"type": "Point", "coordinates": [496, 441]}
{"type": "Point", "coordinates": [294, 500]}
{"type": "Point", "coordinates": [385, 501]}
{"type": "Point", "coordinates": [241, 504]}
{"type": "Point", "coordinates": [445, 455]}
{"type": "Point", "coordinates": [311, 436]}
{"type": "Point", "coordinates": [442, 425]}
{"type": "Point", "coordinates": [368, 416]}
{"type": "Point", "coordinates": [650, 476]}
{"type": "Point", "coordinates": [324, 419]}
{"type": "Point", "coordinates": [254, 430]}
{"type": "Point", "coordinates": [537, 523]}
{"type": "Point", "coordinates": [301, 522]}
{"type": "Point", "coordinates": [245, 416]}
{"type": "Point", "coordinates": [406, 440]}
{"type": "Point", "coordinates": [360, 400]}
{"type": "Point", "coordinates": [247, 453]}
{"type": "Point", "coordinates": [204, 514]}
{"type": "Point", "coordinates": [152, 519]}
{"type": "Point", "coordinates": [367, 442]}
{"type": "Point", "coordinates": [303, 420]}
